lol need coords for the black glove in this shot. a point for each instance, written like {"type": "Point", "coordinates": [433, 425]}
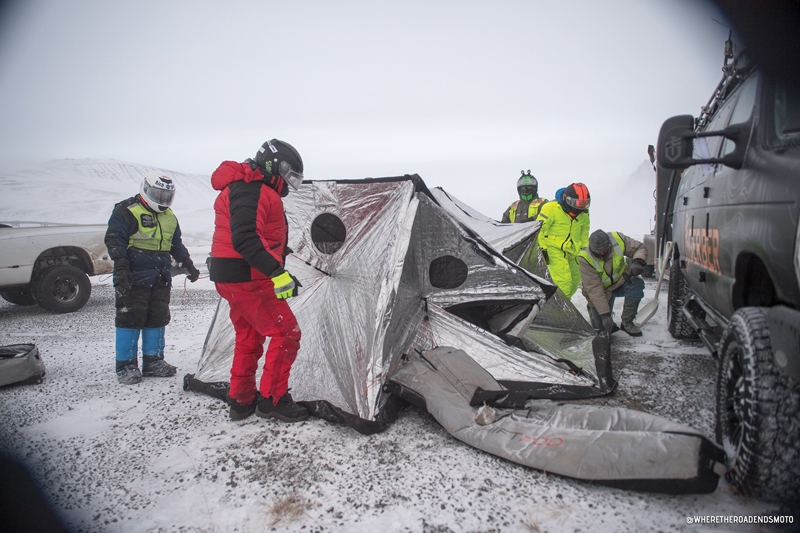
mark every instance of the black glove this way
{"type": "Point", "coordinates": [193, 274]}
{"type": "Point", "coordinates": [123, 279]}
{"type": "Point", "coordinates": [637, 267]}
{"type": "Point", "coordinates": [545, 256]}
{"type": "Point", "coordinates": [608, 323]}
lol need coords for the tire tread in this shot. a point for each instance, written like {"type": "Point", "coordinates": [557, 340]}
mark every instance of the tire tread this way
{"type": "Point", "coordinates": [679, 327]}
{"type": "Point", "coordinates": [768, 465]}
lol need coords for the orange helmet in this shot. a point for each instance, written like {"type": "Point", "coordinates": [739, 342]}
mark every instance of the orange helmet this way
{"type": "Point", "coordinates": [577, 197]}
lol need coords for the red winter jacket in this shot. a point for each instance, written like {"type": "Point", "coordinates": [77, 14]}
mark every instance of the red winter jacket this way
{"type": "Point", "coordinates": [250, 229]}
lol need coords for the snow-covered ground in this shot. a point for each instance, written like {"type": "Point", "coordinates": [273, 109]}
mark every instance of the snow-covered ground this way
{"type": "Point", "coordinates": [152, 457]}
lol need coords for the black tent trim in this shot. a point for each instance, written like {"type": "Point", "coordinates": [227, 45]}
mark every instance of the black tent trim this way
{"type": "Point", "coordinates": [704, 483]}
{"type": "Point", "coordinates": [320, 409]}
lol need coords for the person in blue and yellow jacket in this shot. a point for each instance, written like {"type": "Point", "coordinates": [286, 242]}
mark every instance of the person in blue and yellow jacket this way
{"type": "Point", "coordinates": [564, 232]}
{"type": "Point", "coordinates": [142, 238]}
{"type": "Point", "coordinates": [527, 208]}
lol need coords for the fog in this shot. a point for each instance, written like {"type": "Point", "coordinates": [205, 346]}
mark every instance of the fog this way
{"type": "Point", "coordinates": [466, 94]}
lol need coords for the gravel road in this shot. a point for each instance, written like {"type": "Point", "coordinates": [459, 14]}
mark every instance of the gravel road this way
{"type": "Point", "coordinates": [152, 457]}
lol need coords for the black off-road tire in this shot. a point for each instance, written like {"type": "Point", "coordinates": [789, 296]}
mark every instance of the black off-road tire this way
{"type": "Point", "coordinates": [18, 296]}
{"type": "Point", "coordinates": [62, 289]}
{"type": "Point", "coordinates": [758, 412]}
{"type": "Point", "coordinates": [678, 326]}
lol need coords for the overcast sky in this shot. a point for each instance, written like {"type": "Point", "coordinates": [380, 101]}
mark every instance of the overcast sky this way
{"type": "Point", "coordinates": [464, 93]}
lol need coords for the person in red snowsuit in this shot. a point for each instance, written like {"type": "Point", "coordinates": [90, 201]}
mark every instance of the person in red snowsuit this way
{"type": "Point", "coordinates": [248, 253]}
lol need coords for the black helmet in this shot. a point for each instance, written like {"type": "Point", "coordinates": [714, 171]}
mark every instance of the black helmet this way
{"type": "Point", "coordinates": [278, 158]}
{"type": "Point", "coordinates": [527, 186]}
{"type": "Point", "coordinates": [600, 244]}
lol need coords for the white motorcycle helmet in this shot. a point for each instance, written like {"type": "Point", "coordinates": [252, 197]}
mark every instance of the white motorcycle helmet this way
{"type": "Point", "coordinates": [157, 191]}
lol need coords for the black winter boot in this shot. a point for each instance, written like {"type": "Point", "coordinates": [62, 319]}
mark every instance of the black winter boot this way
{"type": "Point", "coordinates": [240, 411]}
{"type": "Point", "coordinates": [128, 372]}
{"type": "Point", "coordinates": [286, 409]}
{"type": "Point", "coordinates": [629, 310]}
{"type": "Point", "coordinates": [154, 366]}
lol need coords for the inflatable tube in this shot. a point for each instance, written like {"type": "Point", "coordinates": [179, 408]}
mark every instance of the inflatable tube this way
{"type": "Point", "coordinates": [611, 446]}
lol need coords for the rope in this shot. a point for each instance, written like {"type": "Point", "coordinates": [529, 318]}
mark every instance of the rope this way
{"type": "Point", "coordinates": [309, 264]}
{"type": "Point", "coordinates": [185, 296]}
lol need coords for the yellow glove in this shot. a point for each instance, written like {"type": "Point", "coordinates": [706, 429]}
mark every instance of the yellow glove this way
{"type": "Point", "coordinates": [285, 285]}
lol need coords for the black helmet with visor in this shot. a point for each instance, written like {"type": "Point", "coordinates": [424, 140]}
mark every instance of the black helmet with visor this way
{"type": "Point", "coordinates": [278, 158]}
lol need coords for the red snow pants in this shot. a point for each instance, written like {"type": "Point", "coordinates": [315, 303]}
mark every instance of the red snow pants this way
{"type": "Point", "coordinates": [256, 313]}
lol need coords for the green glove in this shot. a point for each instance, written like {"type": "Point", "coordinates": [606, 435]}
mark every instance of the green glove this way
{"type": "Point", "coordinates": [285, 285]}
{"type": "Point", "coordinates": [608, 323]}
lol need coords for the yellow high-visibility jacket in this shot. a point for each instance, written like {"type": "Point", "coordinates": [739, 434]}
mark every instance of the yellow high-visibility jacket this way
{"type": "Point", "coordinates": [560, 231]}
{"type": "Point", "coordinates": [534, 207]}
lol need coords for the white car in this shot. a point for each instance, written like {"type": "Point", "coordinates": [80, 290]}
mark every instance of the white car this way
{"type": "Point", "coordinates": [50, 265]}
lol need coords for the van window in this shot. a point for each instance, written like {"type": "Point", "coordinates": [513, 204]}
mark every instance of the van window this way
{"type": "Point", "coordinates": [743, 110]}
{"type": "Point", "coordinates": [787, 112]}
{"type": "Point", "coordinates": [719, 122]}
{"type": "Point", "coordinates": [747, 100]}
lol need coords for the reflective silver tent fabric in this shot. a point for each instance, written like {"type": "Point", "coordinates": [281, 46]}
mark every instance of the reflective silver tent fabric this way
{"type": "Point", "coordinates": [560, 330]}
{"type": "Point", "coordinates": [390, 286]}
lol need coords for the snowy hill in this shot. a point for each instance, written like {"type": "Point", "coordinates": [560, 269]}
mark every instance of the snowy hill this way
{"type": "Point", "coordinates": [84, 191]}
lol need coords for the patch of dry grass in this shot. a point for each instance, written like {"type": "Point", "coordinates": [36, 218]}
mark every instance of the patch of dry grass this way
{"type": "Point", "coordinates": [555, 513]}
{"type": "Point", "coordinates": [286, 509]}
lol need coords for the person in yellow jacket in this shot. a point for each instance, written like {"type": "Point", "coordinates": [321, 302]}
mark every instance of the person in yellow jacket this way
{"type": "Point", "coordinates": [143, 237]}
{"type": "Point", "coordinates": [611, 266]}
{"type": "Point", "coordinates": [527, 208]}
{"type": "Point", "coordinates": [564, 232]}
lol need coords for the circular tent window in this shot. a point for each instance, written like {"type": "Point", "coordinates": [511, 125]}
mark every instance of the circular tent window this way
{"type": "Point", "coordinates": [447, 272]}
{"type": "Point", "coordinates": [328, 233]}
